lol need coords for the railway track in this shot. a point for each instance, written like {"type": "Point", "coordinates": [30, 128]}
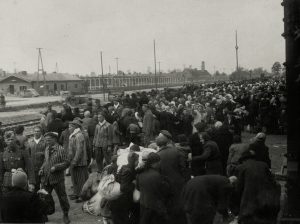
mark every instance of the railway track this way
{"type": "Point", "coordinates": [28, 125]}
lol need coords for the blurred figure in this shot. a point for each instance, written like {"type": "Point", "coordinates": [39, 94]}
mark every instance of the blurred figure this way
{"type": "Point", "coordinates": [206, 195]}
{"type": "Point", "coordinates": [13, 158]}
{"type": "Point", "coordinates": [260, 149]}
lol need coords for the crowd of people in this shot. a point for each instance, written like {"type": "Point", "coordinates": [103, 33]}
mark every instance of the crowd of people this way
{"type": "Point", "coordinates": [200, 168]}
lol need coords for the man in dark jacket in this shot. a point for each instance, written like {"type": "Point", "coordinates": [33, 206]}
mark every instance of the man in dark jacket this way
{"type": "Point", "coordinates": [224, 138]}
{"type": "Point", "coordinates": [205, 195]}
{"type": "Point", "coordinates": [260, 149]}
{"type": "Point", "coordinates": [211, 156]}
{"type": "Point", "coordinates": [155, 191]}
{"type": "Point", "coordinates": [22, 206]}
{"type": "Point", "coordinates": [173, 167]}
{"type": "Point", "coordinates": [198, 166]}
{"type": "Point", "coordinates": [259, 203]}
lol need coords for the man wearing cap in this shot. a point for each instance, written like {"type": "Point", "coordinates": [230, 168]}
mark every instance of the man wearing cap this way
{"type": "Point", "coordinates": [36, 147]}
{"type": "Point", "coordinates": [148, 125]}
{"type": "Point", "coordinates": [52, 171]}
{"type": "Point", "coordinates": [103, 141]}
{"type": "Point", "coordinates": [168, 136]}
{"type": "Point", "coordinates": [78, 159]}
{"type": "Point", "coordinates": [14, 158]}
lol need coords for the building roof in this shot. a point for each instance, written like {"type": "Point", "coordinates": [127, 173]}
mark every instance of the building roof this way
{"type": "Point", "coordinates": [2, 79]}
{"type": "Point", "coordinates": [53, 77]}
{"type": "Point", "coordinates": [49, 77]}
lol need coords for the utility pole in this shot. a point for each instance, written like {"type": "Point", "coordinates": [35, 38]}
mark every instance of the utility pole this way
{"type": "Point", "coordinates": [155, 64]}
{"type": "Point", "coordinates": [159, 67]}
{"type": "Point", "coordinates": [40, 69]}
{"type": "Point", "coordinates": [109, 70]}
{"type": "Point", "coordinates": [56, 68]}
{"type": "Point", "coordinates": [236, 52]}
{"type": "Point", "coordinates": [103, 84]}
{"type": "Point", "coordinates": [117, 62]}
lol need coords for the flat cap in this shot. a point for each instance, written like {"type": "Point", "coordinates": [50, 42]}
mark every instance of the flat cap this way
{"type": "Point", "coordinates": [51, 134]}
{"type": "Point", "coordinates": [166, 133]}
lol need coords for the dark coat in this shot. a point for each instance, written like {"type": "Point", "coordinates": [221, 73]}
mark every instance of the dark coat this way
{"type": "Point", "coordinates": [173, 167]}
{"type": "Point", "coordinates": [155, 191]}
{"type": "Point", "coordinates": [224, 138]}
{"type": "Point", "coordinates": [198, 166]}
{"type": "Point", "coordinates": [56, 126]}
{"type": "Point", "coordinates": [261, 152]}
{"type": "Point", "coordinates": [204, 195]}
{"type": "Point", "coordinates": [258, 192]}
{"type": "Point", "coordinates": [212, 158]}
{"type": "Point", "coordinates": [21, 206]}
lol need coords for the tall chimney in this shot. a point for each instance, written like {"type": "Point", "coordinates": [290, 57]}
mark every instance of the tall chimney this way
{"type": "Point", "coordinates": [202, 66]}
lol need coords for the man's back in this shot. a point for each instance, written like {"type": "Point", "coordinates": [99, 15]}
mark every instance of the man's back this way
{"type": "Point", "coordinates": [21, 206]}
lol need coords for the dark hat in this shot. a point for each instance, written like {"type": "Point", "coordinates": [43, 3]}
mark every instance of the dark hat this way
{"type": "Point", "coordinates": [200, 126]}
{"type": "Point", "coordinates": [152, 158]}
{"type": "Point", "coordinates": [51, 134]}
{"type": "Point", "coordinates": [76, 122]}
{"type": "Point", "coordinates": [135, 148]}
{"type": "Point", "coordinates": [166, 133]}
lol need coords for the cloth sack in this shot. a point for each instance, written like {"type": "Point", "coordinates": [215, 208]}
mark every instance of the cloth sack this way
{"type": "Point", "coordinates": [109, 188]}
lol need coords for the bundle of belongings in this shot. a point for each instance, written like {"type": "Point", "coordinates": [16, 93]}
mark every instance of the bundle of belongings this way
{"type": "Point", "coordinates": [103, 187]}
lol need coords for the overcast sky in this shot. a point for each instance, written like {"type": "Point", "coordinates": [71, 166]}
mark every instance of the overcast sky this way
{"type": "Point", "coordinates": [72, 33]}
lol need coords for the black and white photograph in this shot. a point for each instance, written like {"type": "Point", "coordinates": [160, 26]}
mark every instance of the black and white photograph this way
{"type": "Point", "coordinates": [150, 111]}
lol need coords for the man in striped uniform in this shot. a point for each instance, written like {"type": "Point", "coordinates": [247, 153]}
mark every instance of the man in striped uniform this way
{"type": "Point", "coordinates": [102, 143]}
{"type": "Point", "coordinates": [52, 171]}
{"type": "Point", "coordinates": [36, 147]}
{"type": "Point", "coordinates": [78, 159]}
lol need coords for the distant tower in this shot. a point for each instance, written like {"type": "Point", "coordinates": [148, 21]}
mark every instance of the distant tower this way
{"type": "Point", "coordinates": [236, 51]}
{"type": "Point", "coordinates": [202, 66]}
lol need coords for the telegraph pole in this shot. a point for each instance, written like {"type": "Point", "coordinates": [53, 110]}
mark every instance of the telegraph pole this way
{"type": "Point", "coordinates": [236, 52]}
{"type": "Point", "coordinates": [40, 68]}
{"type": "Point", "coordinates": [117, 62]}
{"type": "Point", "coordinates": [109, 70]}
{"type": "Point", "coordinates": [159, 67]}
{"type": "Point", "coordinates": [155, 64]}
{"type": "Point", "coordinates": [56, 68]}
{"type": "Point", "coordinates": [102, 75]}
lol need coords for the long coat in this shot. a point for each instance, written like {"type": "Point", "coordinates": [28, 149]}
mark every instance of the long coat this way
{"type": "Point", "coordinates": [173, 167]}
{"type": "Point", "coordinates": [203, 196]}
{"type": "Point", "coordinates": [212, 157]}
{"type": "Point", "coordinates": [198, 166]}
{"type": "Point", "coordinates": [22, 206]}
{"type": "Point", "coordinates": [155, 192]}
{"type": "Point", "coordinates": [258, 192]}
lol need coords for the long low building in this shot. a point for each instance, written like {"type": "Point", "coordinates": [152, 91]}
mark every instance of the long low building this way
{"type": "Point", "coordinates": [17, 84]}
